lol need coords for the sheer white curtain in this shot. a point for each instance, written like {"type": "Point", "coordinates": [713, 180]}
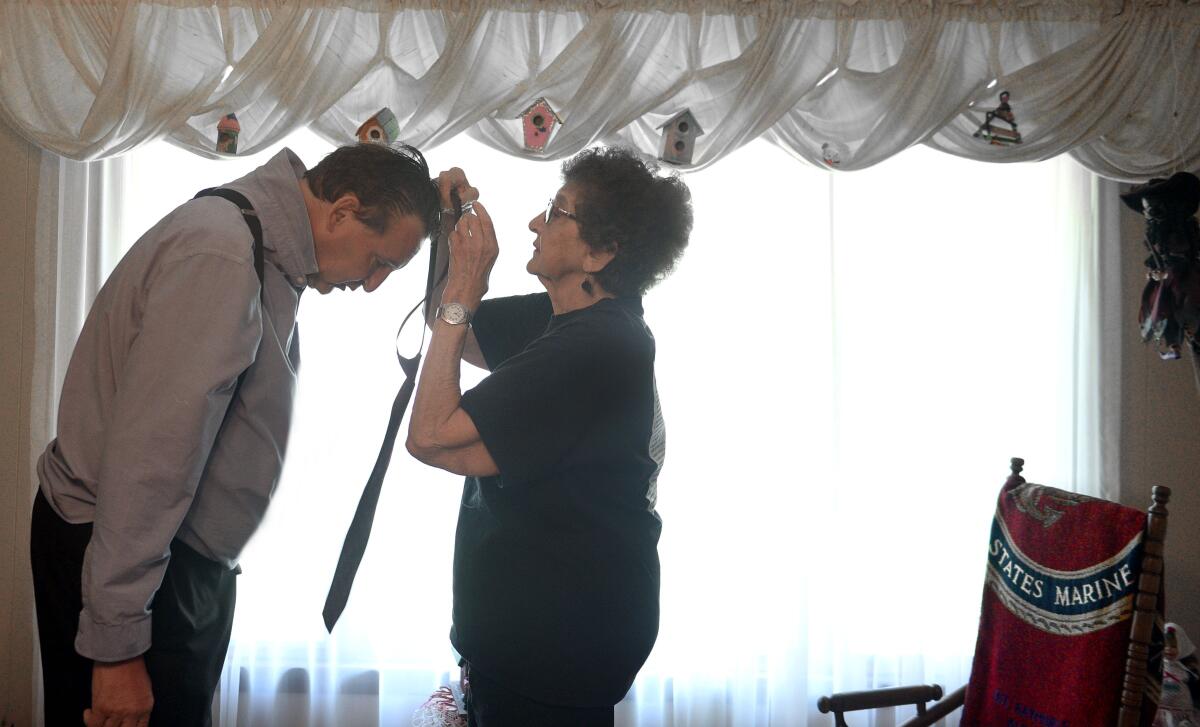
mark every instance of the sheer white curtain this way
{"type": "Point", "coordinates": [81, 234]}
{"type": "Point", "coordinates": [846, 363]}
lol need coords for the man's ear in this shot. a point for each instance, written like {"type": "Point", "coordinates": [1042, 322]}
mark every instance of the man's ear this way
{"type": "Point", "coordinates": [343, 208]}
{"type": "Point", "coordinates": [596, 260]}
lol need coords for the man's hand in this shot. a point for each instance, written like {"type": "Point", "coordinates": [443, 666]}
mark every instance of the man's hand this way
{"type": "Point", "coordinates": [121, 694]}
{"type": "Point", "coordinates": [455, 178]}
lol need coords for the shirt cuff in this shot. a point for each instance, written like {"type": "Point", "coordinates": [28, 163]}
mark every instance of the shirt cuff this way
{"type": "Point", "coordinates": [112, 642]}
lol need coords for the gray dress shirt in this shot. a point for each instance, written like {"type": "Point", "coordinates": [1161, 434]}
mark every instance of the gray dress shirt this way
{"type": "Point", "coordinates": [152, 443]}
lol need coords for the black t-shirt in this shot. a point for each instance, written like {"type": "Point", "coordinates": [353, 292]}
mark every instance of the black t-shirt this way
{"type": "Point", "coordinates": [556, 573]}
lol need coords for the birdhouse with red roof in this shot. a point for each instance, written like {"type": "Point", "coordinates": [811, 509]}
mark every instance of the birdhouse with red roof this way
{"type": "Point", "coordinates": [678, 137]}
{"type": "Point", "coordinates": [539, 121]}
{"type": "Point", "coordinates": [382, 128]}
{"type": "Point", "coordinates": [228, 129]}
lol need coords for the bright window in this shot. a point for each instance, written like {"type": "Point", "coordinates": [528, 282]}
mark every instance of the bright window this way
{"type": "Point", "coordinates": [841, 377]}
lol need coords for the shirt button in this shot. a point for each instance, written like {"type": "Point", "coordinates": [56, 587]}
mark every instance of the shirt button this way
{"type": "Point", "coordinates": [299, 279]}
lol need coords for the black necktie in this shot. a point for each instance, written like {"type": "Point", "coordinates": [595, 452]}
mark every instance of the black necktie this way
{"type": "Point", "coordinates": [360, 527]}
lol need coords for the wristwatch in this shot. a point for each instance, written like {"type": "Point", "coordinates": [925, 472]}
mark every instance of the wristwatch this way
{"type": "Point", "coordinates": [455, 314]}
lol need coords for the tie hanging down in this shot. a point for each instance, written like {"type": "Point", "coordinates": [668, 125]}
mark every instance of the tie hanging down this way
{"type": "Point", "coordinates": [360, 526]}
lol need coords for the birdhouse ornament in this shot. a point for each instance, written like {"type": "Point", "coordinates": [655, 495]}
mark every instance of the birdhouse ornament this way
{"type": "Point", "coordinates": [833, 153]}
{"type": "Point", "coordinates": [539, 121]}
{"type": "Point", "coordinates": [382, 128]}
{"type": "Point", "coordinates": [679, 137]}
{"type": "Point", "coordinates": [228, 129]}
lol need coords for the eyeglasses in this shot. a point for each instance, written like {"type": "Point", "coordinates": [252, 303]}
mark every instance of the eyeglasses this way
{"type": "Point", "coordinates": [552, 212]}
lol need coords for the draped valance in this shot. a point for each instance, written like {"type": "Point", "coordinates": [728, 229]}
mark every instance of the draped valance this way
{"type": "Point", "coordinates": [836, 83]}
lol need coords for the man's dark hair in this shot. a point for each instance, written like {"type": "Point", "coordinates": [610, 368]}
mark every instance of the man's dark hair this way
{"type": "Point", "coordinates": [624, 204]}
{"type": "Point", "coordinates": [387, 179]}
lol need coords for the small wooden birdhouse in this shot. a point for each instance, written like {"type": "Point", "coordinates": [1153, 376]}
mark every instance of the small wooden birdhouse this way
{"type": "Point", "coordinates": [382, 128]}
{"type": "Point", "coordinates": [678, 137]}
{"type": "Point", "coordinates": [834, 153]}
{"type": "Point", "coordinates": [228, 129]}
{"type": "Point", "coordinates": [539, 120]}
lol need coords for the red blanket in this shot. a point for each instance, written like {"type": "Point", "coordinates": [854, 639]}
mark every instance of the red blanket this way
{"type": "Point", "coordinates": [1054, 629]}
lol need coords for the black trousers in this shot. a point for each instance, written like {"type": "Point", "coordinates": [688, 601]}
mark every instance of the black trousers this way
{"type": "Point", "coordinates": [491, 705]}
{"type": "Point", "coordinates": [193, 618]}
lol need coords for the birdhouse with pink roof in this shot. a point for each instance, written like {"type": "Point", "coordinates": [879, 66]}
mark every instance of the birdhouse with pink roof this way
{"type": "Point", "coordinates": [539, 121]}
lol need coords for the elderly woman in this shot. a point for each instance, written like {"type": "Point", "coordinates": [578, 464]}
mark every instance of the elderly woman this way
{"type": "Point", "coordinates": [556, 574]}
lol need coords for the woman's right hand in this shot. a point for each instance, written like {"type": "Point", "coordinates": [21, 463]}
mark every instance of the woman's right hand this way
{"type": "Point", "coordinates": [473, 252]}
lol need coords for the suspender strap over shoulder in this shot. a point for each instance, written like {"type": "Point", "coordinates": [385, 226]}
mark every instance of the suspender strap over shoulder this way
{"type": "Point", "coordinates": [252, 221]}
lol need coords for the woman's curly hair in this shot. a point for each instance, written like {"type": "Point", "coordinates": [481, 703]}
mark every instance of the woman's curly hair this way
{"type": "Point", "coordinates": [624, 203]}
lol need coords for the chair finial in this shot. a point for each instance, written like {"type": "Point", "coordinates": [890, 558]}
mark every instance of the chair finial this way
{"type": "Point", "coordinates": [1161, 494]}
{"type": "Point", "coordinates": [1016, 464]}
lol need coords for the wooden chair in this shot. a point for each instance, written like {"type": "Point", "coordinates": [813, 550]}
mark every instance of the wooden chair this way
{"type": "Point", "coordinates": [1136, 675]}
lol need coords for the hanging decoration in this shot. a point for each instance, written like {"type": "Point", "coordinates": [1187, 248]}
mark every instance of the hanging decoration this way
{"type": "Point", "coordinates": [539, 121]}
{"type": "Point", "coordinates": [228, 129]}
{"type": "Point", "coordinates": [991, 132]}
{"type": "Point", "coordinates": [382, 128]}
{"type": "Point", "coordinates": [679, 137]}
{"type": "Point", "coordinates": [833, 152]}
{"type": "Point", "coordinates": [1170, 310]}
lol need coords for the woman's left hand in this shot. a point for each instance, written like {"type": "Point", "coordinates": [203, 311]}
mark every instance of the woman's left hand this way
{"type": "Point", "coordinates": [473, 252]}
{"type": "Point", "coordinates": [456, 179]}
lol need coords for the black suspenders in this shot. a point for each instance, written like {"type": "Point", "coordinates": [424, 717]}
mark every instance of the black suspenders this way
{"type": "Point", "coordinates": [251, 218]}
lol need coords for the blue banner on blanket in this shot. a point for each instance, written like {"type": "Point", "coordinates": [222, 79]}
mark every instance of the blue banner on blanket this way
{"type": "Point", "coordinates": [1062, 602]}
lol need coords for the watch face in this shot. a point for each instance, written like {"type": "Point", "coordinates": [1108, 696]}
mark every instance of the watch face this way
{"type": "Point", "coordinates": [455, 313]}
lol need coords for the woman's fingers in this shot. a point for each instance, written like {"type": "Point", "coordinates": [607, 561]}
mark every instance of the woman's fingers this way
{"type": "Point", "coordinates": [485, 220]}
{"type": "Point", "coordinates": [455, 178]}
{"type": "Point", "coordinates": [478, 225]}
{"type": "Point", "coordinates": [474, 240]}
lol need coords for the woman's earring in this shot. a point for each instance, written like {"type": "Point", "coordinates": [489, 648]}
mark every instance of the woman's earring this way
{"type": "Point", "coordinates": [587, 284]}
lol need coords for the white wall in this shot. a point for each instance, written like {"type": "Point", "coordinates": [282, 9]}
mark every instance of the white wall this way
{"type": "Point", "coordinates": [1160, 438]}
{"type": "Point", "coordinates": [18, 205]}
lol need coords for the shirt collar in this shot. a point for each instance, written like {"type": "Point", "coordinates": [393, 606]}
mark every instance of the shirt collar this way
{"type": "Point", "coordinates": [274, 190]}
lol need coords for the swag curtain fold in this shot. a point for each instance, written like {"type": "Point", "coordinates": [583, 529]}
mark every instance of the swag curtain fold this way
{"type": "Point", "coordinates": [1110, 82]}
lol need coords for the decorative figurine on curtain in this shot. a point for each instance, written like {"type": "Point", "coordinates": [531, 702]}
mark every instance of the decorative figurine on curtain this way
{"type": "Point", "coordinates": [382, 128]}
{"type": "Point", "coordinates": [1181, 681]}
{"type": "Point", "coordinates": [990, 132]}
{"type": "Point", "coordinates": [1170, 309]}
{"type": "Point", "coordinates": [228, 129]}
{"type": "Point", "coordinates": [539, 121]}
